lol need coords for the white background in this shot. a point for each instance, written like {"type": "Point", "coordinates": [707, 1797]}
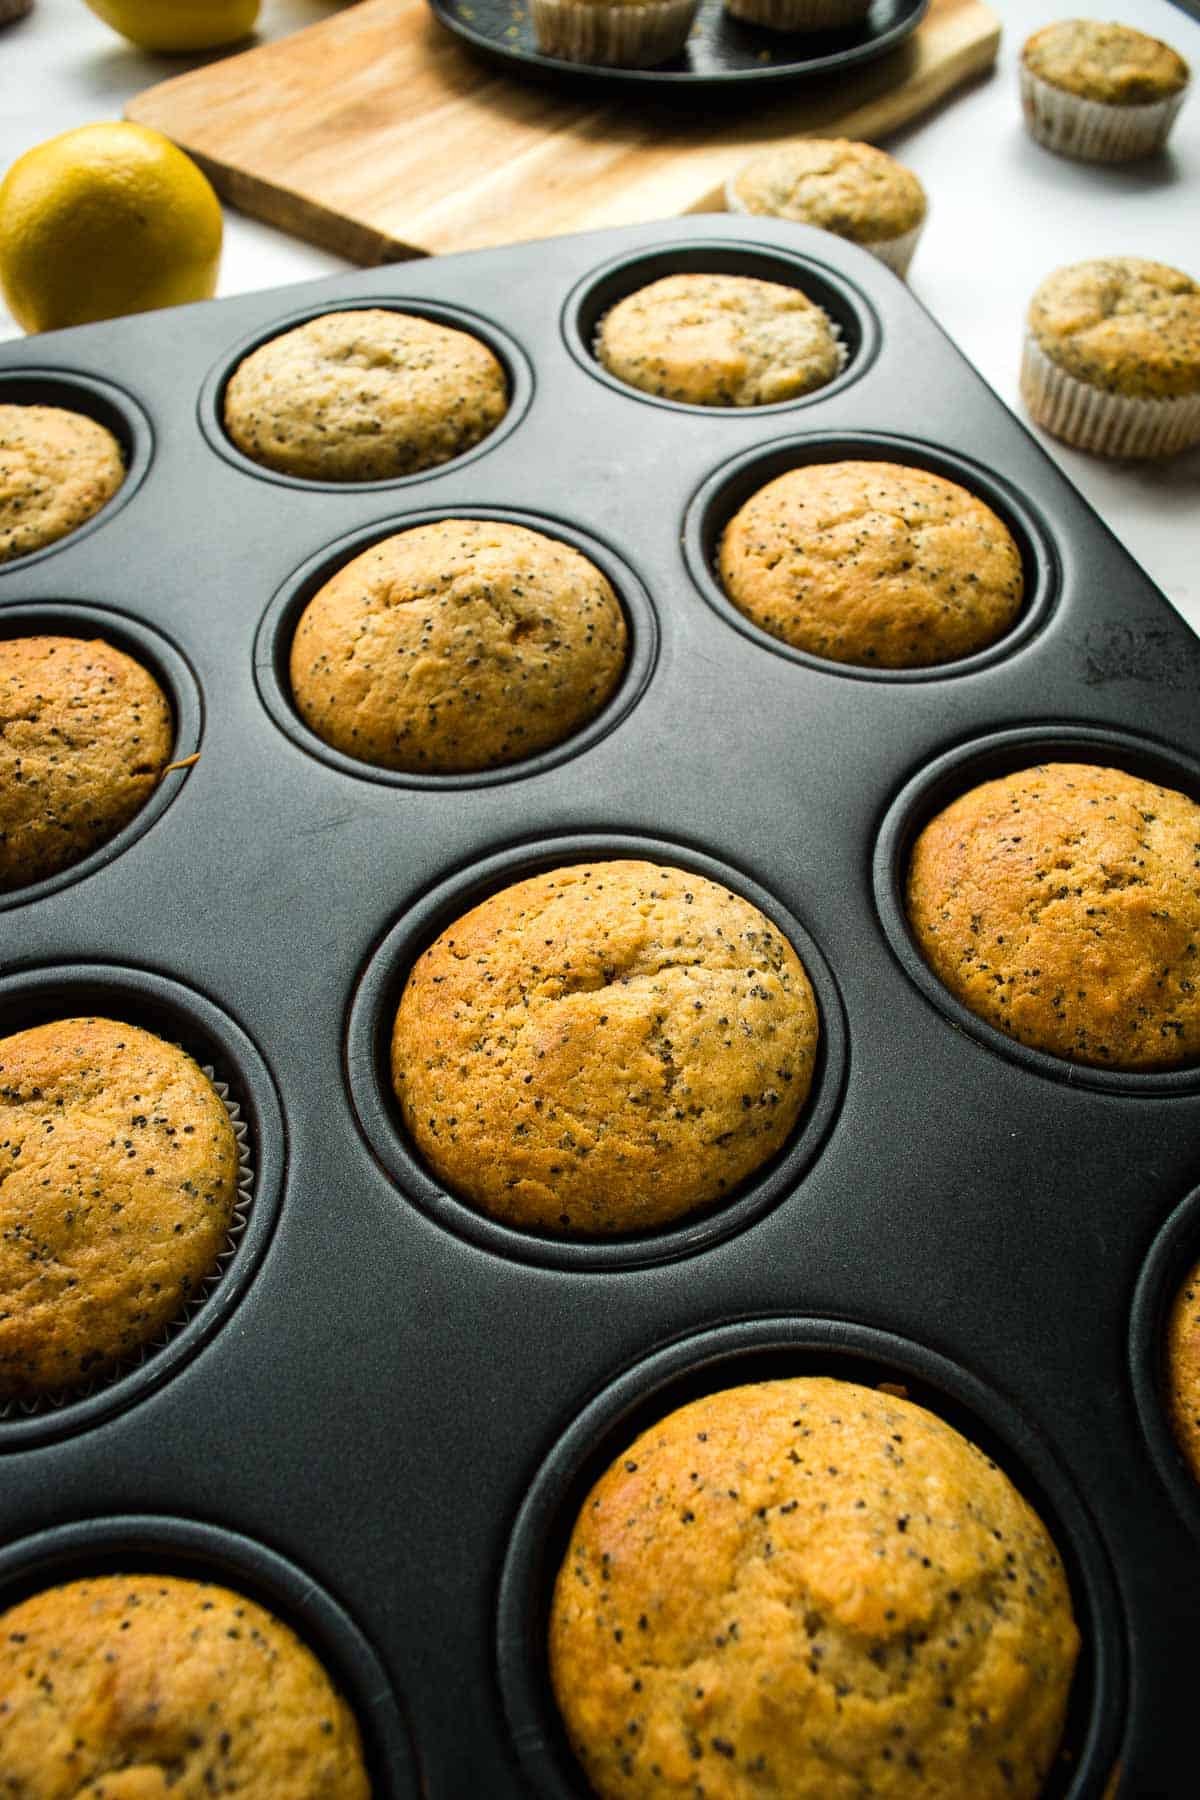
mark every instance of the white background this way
{"type": "Point", "coordinates": [1003, 214]}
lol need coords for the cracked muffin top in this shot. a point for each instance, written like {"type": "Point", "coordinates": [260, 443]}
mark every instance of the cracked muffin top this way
{"type": "Point", "coordinates": [57, 468]}
{"type": "Point", "coordinates": [150, 1687]}
{"type": "Point", "coordinates": [456, 646]}
{"type": "Point", "coordinates": [118, 1178]}
{"type": "Point", "coordinates": [1123, 325]}
{"type": "Point", "coordinates": [809, 1588]}
{"type": "Point", "coordinates": [85, 734]}
{"type": "Point", "coordinates": [837, 184]}
{"type": "Point", "coordinates": [604, 1048]}
{"type": "Point", "coordinates": [720, 340]}
{"type": "Point", "coordinates": [1061, 905]}
{"type": "Point", "coordinates": [872, 563]}
{"type": "Point", "coordinates": [366, 395]}
{"type": "Point", "coordinates": [1107, 62]}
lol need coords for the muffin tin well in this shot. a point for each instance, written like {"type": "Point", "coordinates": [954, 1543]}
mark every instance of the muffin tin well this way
{"type": "Point", "coordinates": [368, 1062]}
{"type": "Point", "coordinates": [177, 681]}
{"type": "Point", "coordinates": [143, 998]}
{"type": "Point", "coordinates": [97, 399]}
{"type": "Point", "coordinates": [147, 1544]}
{"type": "Point", "coordinates": [730, 486]}
{"type": "Point", "coordinates": [274, 644]}
{"type": "Point", "coordinates": [778, 1349]}
{"type": "Point", "coordinates": [854, 321]}
{"type": "Point", "coordinates": [383, 1389]}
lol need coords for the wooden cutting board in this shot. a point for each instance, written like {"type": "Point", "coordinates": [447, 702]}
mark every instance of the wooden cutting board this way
{"type": "Point", "coordinates": [377, 135]}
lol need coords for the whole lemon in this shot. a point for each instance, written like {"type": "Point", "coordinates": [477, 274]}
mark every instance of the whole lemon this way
{"type": "Point", "coordinates": [179, 24]}
{"type": "Point", "coordinates": [104, 220]}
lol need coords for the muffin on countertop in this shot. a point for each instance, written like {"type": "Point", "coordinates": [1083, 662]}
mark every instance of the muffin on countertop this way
{"type": "Point", "coordinates": [838, 185]}
{"type": "Point", "coordinates": [85, 733]}
{"type": "Point", "coordinates": [1181, 1368]}
{"type": "Point", "coordinates": [720, 340]}
{"type": "Point", "coordinates": [1112, 357]}
{"type": "Point", "coordinates": [1100, 92]}
{"type": "Point", "coordinates": [57, 469]}
{"type": "Point", "coordinates": [120, 1177]}
{"type": "Point", "coordinates": [1060, 904]}
{"type": "Point", "coordinates": [130, 1687]}
{"type": "Point", "coordinates": [872, 563]}
{"type": "Point", "coordinates": [367, 395]}
{"type": "Point", "coordinates": [604, 1048]}
{"type": "Point", "coordinates": [460, 645]}
{"type": "Point", "coordinates": [809, 1588]}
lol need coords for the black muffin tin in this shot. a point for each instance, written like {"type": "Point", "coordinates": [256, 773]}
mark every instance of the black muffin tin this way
{"type": "Point", "coordinates": [382, 1419]}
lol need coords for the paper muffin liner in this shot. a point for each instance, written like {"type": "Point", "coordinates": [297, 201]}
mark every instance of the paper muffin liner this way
{"type": "Point", "coordinates": [243, 1200]}
{"type": "Point", "coordinates": [1107, 424]}
{"type": "Point", "coordinates": [625, 37]}
{"type": "Point", "coordinates": [1094, 130]}
{"type": "Point", "coordinates": [896, 252]}
{"type": "Point", "coordinates": [800, 15]}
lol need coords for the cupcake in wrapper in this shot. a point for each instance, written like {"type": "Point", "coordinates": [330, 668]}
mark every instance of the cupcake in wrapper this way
{"type": "Point", "coordinates": [1112, 358]}
{"type": "Point", "coordinates": [852, 189]}
{"type": "Point", "coordinates": [620, 34]}
{"type": "Point", "coordinates": [800, 15]}
{"type": "Point", "coordinates": [1101, 93]}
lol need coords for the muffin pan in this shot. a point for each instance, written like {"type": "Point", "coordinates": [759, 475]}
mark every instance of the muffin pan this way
{"type": "Point", "coordinates": [388, 1396]}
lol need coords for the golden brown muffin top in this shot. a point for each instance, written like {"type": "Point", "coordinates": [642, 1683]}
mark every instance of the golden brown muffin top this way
{"type": "Point", "coordinates": [720, 340]}
{"type": "Point", "coordinates": [1181, 1368]}
{"type": "Point", "coordinates": [1111, 63]}
{"type": "Point", "coordinates": [872, 563]}
{"type": "Point", "coordinates": [460, 645]}
{"type": "Point", "coordinates": [1122, 324]}
{"type": "Point", "coordinates": [149, 1687]}
{"type": "Point", "coordinates": [85, 733]}
{"type": "Point", "coordinates": [842, 186]}
{"type": "Point", "coordinates": [364, 395]}
{"type": "Point", "coordinates": [118, 1175]}
{"type": "Point", "coordinates": [813, 1589]}
{"type": "Point", "coordinates": [1060, 904]}
{"type": "Point", "coordinates": [57, 468]}
{"type": "Point", "coordinates": [604, 1048]}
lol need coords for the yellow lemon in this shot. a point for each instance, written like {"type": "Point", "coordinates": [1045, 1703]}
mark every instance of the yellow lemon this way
{"type": "Point", "coordinates": [106, 219]}
{"type": "Point", "coordinates": [179, 24]}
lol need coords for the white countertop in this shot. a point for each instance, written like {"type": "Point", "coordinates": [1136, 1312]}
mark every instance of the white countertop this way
{"type": "Point", "coordinates": [1003, 213]}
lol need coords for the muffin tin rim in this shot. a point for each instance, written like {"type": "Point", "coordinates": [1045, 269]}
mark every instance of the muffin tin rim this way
{"type": "Point", "coordinates": [158, 1543]}
{"type": "Point", "coordinates": [1173, 1251]}
{"type": "Point", "coordinates": [141, 994]}
{"type": "Point", "coordinates": [641, 1390]}
{"type": "Point", "coordinates": [708, 514]}
{"type": "Point", "coordinates": [689, 252]}
{"type": "Point", "coordinates": [967, 763]}
{"type": "Point", "coordinates": [276, 630]}
{"type": "Point", "coordinates": [367, 1033]}
{"type": "Point", "coordinates": [498, 339]}
{"type": "Point", "coordinates": [137, 446]}
{"type": "Point", "coordinates": [151, 647]}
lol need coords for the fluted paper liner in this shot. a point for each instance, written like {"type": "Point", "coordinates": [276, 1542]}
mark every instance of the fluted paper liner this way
{"type": "Point", "coordinates": [1094, 130]}
{"type": "Point", "coordinates": [628, 37]}
{"type": "Point", "coordinates": [1107, 424]}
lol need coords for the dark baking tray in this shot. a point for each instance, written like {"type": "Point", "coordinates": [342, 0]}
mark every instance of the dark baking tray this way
{"type": "Point", "coordinates": [722, 54]}
{"type": "Point", "coordinates": [380, 1421]}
